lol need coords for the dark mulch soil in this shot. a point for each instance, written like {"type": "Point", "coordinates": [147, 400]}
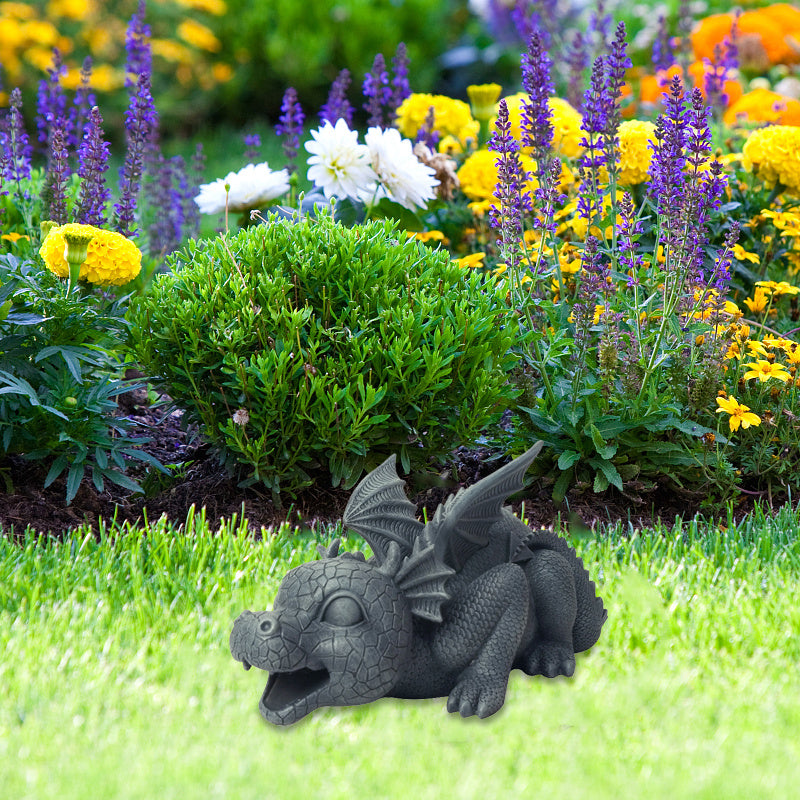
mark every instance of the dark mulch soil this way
{"type": "Point", "coordinates": [200, 481]}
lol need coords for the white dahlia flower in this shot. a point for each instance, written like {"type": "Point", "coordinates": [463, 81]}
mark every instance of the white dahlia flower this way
{"type": "Point", "coordinates": [402, 177]}
{"type": "Point", "coordinates": [339, 165]}
{"type": "Point", "coordinates": [251, 187]}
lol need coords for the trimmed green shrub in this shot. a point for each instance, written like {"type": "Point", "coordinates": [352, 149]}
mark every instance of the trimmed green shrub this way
{"type": "Point", "coordinates": [300, 344]}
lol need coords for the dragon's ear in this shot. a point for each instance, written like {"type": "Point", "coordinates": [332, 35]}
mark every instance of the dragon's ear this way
{"type": "Point", "coordinates": [380, 511]}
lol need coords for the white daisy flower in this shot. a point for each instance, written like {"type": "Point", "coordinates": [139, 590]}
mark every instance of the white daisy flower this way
{"type": "Point", "coordinates": [339, 165]}
{"type": "Point", "coordinates": [249, 188]}
{"type": "Point", "coordinates": [401, 175]}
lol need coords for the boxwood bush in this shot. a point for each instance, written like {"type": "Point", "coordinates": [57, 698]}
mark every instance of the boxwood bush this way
{"type": "Point", "coordinates": [305, 344]}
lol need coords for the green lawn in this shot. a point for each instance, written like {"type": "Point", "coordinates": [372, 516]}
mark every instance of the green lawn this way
{"type": "Point", "coordinates": [117, 680]}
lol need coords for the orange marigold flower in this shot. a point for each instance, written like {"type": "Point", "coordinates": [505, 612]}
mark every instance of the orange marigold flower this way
{"type": "Point", "coordinates": [762, 105]}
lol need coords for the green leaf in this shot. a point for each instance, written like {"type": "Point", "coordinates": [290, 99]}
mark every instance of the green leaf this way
{"type": "Point", "coordinates": [567, 459]}
{"type": "Point", "coordinates": [604, 450]}
{"type": "Point", "coordinates": [609, 472]}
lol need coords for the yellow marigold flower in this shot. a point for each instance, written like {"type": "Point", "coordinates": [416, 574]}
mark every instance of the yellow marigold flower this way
{"type": "Point", "coordinates": [740, 254]}
{"type": "Point", "coordinates": [764, 371]}
{"type": "Point", "coordinates": [198, 36]}
{"type": "Point", "coordinates": [13, 236]}
{"type": "Point", "coordinates": [734, 351]}
{"type": "Point", "coordinates": [427, 236]}
{"type": "Point", "coordinates": [480, 207]}
{"type": "Point", "coordinates": [740, 414]}
{"type": "Point", "coordinates": [222, 72]}
{"type": "Point", "coordinates": [450, 117]}
{"type": "Point", "coordinates": [478, 175]}
{"type": "Point", "coordinates": [111, 258]}
{"type": "Point", "coordinates": [635, 154]}
{"type": "Point", "coordinates": [758, 302]}
{"type": "Point", "coordinates": [778, 343]}
{"type": "Point", "coordinates": [788, 222]}
{"type": "Point", "coordinates": [774, 153]}
{"type": "Point", "coordinates": [472, 260]}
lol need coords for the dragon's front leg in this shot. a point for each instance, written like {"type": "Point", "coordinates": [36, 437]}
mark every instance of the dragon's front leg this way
{"type": "Point", "coordinates": [480, 637]}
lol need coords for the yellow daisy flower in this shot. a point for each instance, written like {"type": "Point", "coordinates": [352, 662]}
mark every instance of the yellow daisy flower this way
{"type": "Point", "coordinates": [740, 414]}
{"type": "Point", "coordinates": [764, 371]}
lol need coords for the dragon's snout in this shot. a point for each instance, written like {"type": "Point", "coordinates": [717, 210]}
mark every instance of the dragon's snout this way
{"type": "Point", "coordinates": [250, 630]}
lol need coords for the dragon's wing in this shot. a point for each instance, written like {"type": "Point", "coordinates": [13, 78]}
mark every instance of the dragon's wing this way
{"type": "Point", "coordinates": [380, 511]}
{"type": "Point", "coordinates": [461, 526]}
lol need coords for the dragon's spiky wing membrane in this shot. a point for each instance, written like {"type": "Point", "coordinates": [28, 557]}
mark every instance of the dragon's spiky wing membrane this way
{"type": "Point", "coordinates": [379, 510]}
{"type": "Point", "coordinates": [461, 526]}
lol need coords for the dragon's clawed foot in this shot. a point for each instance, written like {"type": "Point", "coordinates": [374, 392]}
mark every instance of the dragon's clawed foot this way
{"type": "Point", "coordinates": [477, 694]}
{"type": "Point", "coordinates": [550, 659]}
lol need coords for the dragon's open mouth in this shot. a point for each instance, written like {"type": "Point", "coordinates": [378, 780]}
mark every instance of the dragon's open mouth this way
{"type": "Point", "coordinates": [286, 688]}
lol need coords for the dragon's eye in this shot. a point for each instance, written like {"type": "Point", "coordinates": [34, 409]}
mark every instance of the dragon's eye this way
{"type": "Point", "coordinates": [343, 611]}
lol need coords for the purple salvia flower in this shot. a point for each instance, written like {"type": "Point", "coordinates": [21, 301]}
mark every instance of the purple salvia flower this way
{"type": "Point", "coordinates": [165, 231]}
{"type": "Point", "coordinates": [401, 89]}
{"type": "Point", "coordinates": [617, 64]}
{"type": "Point", "coordinates": [16, 146]}
{"type": "Point", "coordinates": [599, 28]}
{"type": "Point", "coordinates": [51, 103]}
{"type": "Point", "coordinates": [93, 195]}
{"type": "Point", "coordinates": [338, 106]}
{"type": "Point", "coordinates": [594, 125]}
{"type": "Point", "coordinates": [54, 193]}
{"type": "Point", "coordinates": [139, 59]}
{"type": "Point", "coordinates": [376, 91]}
{"type": "Point", "coordinates": [509, 189]}
{"type": "Point", "coordinates": [252, 143]}
{"type": "Point", "coordinates": [140, 122]}
{"type": "Point", "coordinates": [630, 229]}
{"type": "Point", "coordinates": [290, 125]}
{"type": "Point", "coordinates": [685, 25]}
{"type": "Point", "coordinates": [591, 286]}
{"type": "Point", "coordinates": [537, 125]}
{"type": "Point", "coordinates": [427, 133]}
{"type": "Point", "coordinates": [667, 165]}
{"type": "Point", "coordinates": [663, 54]}
{"type": "Point", "coordinates": [82, 105]}
{"type": "Point", "coordinates": [577, 59]}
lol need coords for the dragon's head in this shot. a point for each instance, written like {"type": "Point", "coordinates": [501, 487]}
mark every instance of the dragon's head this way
{"type": "Point", "coordinates": [339, 634]}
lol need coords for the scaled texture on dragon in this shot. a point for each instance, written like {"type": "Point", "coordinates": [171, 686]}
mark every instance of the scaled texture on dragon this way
{"type": "Point", "coordinates": [447, 608]}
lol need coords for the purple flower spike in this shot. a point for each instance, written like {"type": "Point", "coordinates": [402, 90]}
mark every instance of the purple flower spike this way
{"type": "Point", "coordinates": [84, 101]}
{"type": "Point", "coordinates": [401, 89]}
{"type": "Point", "coordinates": [252, 141]}
{"type": "Point", "coordinates": [663, 54]}
{"type": "Point", "coordinates": [54, 193]}
{"type": "Point", "coordinates": [93, 194]}
{"type": "Point", "coordinates": [51, 105]}
{"type": "Point", "coordinates": [137, 47]}
{"type": "Point", "coordinates": [141, 121]}
{"type": "Point", "coordinates": [338, 106]}
{"type": "Point", "coordinates": [537, 126]}
{"type": "Point", "coordinates": [427, 133]}
{"type": "Point", "coordinates": [290, 125]}
{"type": "Point", "coordinates": [509, 189]}
{"type": "Point", "coordinates": [577, 58]}
{"type": "Point", "coordinates": [15, 143]}
{"type": "Point", "coordinates": [377, 92]}
{"type": "Point", "coordinates": [164, 234]}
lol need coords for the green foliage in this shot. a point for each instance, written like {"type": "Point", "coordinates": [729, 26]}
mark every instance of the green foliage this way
{"type": "Point", "coordinates": [302, 343]}
{"type": "Point", "coordinates": [58, 378]}
{"type": "Point", "coordinates": [284, 43]}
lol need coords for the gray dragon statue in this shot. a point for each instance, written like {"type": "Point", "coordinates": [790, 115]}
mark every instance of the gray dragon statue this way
{"type": "Point", "coordinates": [446, 608]}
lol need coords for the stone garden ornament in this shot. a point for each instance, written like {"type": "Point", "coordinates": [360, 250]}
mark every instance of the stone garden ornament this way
{"type": "Point", "coordinates": [444, 608]}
